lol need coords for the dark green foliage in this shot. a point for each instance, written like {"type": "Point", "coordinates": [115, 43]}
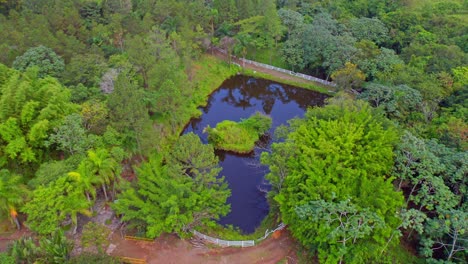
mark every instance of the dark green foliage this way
{"type": "Point", "coordinates": [48, 62]}
{"type": "Point", "coordinates": [397, 101]}
{"type": "Point", "coordinates": [127, 111]}
{"type": "Point", "coordinates": [52, 170]}
{"type": "Point", "coordinates": [370, 29]}
{"type": "Point", "coordinates": [436, 178]}
{"type": "Point", "coordinates": [70, 136]}
{"type": "Point", "coordinates": [85, 69]}
{"type": "Point", "coordinates": [239, 137]}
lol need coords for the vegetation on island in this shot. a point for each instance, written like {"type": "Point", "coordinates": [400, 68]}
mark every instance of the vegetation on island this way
{"type": "Point", "coordinates": [239, 137]}
{"type": "Point", "coordinates": [94, 95]}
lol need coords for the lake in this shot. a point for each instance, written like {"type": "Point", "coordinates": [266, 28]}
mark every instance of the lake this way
{"type": "Point", "coordinates": [240, 97]}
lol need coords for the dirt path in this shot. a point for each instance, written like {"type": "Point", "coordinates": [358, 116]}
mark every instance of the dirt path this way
{"type": "Point", "coordinates": [169, 249]}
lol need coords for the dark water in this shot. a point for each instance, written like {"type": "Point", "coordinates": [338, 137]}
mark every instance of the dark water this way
{"type": "Point", "coordinates": [240, 97]}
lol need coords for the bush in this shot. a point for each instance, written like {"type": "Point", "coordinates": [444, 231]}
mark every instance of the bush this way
{"type": "Point", "coordinates": [239, 137]}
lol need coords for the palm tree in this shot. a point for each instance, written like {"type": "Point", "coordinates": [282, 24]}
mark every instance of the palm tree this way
{"type": "Point", "coordinates": [105, 167]}
{"type": "Point", "coordinates": [12, 194]}
{"type": "Point", "coordinates": [86, 180]}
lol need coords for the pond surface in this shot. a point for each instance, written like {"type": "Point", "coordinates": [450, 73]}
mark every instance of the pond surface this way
{"type": "Point", "coordinates": [240, 97]}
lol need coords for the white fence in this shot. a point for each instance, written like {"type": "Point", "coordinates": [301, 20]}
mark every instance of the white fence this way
{"type": "Point", "coordinates": [269, 67]}
{"type": "Point", "coordinates": [231, 243]}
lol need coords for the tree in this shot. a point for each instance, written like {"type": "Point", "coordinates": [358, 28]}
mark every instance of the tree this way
{"type": "Point", "coordinates": [86, 180]}
{"type": "Point", "coordinates": [103, 166]}
{"type": "Point", "coordinates": [51, 205]}
{"type": "Point", "coordinates": [341, 224]}
{"type": "Point", "coordinates": [48, 62]}
{"type": "Point", "coordinates": [447, 231]}
{"type": "Point", "coordinates": [70, 136]}
{"type": "Point", "coordinates": [397, 101]}
{"type": "Point", "coordinates": [179, 194]}
{"type": "Point", "coordinates": [293, 21]}
{"type": "Point", "coordinates": [85, 69]}
{"type": "Point", "coordinates": [95, 116]}
{"type": "Point", "coordinates": [12, 195]}
{"type": "Point", "coordinates": [30, 108]}
{"type": "Point", "coordinates": [349, 77]}
{"type": "Point", "coordinates": [369, 28]}
{"type": "Point", "coordinates": [338, 152]}
{"type": "Point", "coordinates": [127, 112]}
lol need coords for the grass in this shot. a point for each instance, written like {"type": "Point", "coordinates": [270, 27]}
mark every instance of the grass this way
{"type": "Point", "coordinates": [271, 56]}
{"type": "Point", "coordinates": [232, 233]}
{"type": "Point", "coordinates": [209, 73]}
{"type": "Point", "coordinates": [301, 84]}
{"type": "Point", "coordinates": [239, 137]}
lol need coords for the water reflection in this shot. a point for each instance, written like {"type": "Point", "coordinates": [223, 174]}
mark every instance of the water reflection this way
{"type": "Point", "coordinates": [237, 98]}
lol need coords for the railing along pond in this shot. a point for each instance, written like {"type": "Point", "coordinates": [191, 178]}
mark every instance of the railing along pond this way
{"type": "Point", "coordinates": [270, 67]}
{"type": "Point", "coordinates": [236, 243]}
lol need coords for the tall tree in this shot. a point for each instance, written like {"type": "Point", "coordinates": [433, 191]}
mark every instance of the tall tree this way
{"type": "Point", "coordinates": [51, 205]}
{"type": "Point", "coordinates": [104, 167]}
{"type": "Point", "coordinates": [48, 62]}
{"type": "Point", "coordinates": [30, 108]}
{"type": "Point", "coordinates": [127, 110]}
{"type": "Point", "coordinates": [338, 152]}
{"type": "Point", "coordinates": [179, 194]}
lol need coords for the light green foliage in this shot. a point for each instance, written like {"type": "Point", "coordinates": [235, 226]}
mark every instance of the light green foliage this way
{"type": "Point", "coordinates": [104, 167]}
{"type": "Point", "coordinates": [57, 249]}
{"type": "Point", "coordinates": [48, 62]}
{"type": "Point", "coordinates": [51, 205]}
{"type": "Point", "coordinates": [13, 195]}
{"type": "Point", "coordinates": [29, 109]}
{"type": "Point", "coordinates": [342, 151]}
{"type": "Point", "coordinates": [239, 137]}
{"type": "Point", "coordinates": [349, 77]}
{"type": "Point", "coordinates": [95, 116]}
{"type": "Point", "coordinates": [177, 195]}
{"type": "Point", "coordinates": [7, 259]}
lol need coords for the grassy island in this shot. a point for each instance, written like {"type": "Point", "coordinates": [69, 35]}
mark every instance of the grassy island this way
{"type": "Point", "coordinates": [239, 137]}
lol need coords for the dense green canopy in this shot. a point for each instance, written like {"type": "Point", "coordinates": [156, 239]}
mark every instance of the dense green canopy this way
{"type": "Point", "coordinates": [338, 156]}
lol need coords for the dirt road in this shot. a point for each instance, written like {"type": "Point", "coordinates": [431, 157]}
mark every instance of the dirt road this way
{"type": "Point", "coordinates": [169, 249]}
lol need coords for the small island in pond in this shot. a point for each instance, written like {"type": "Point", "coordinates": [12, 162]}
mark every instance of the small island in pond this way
{"type": "Point", "coordinates": [239, 137]}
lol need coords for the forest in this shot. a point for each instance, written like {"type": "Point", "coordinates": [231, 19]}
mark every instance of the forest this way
{"type": "Point", "coordinates": [95, 94]}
